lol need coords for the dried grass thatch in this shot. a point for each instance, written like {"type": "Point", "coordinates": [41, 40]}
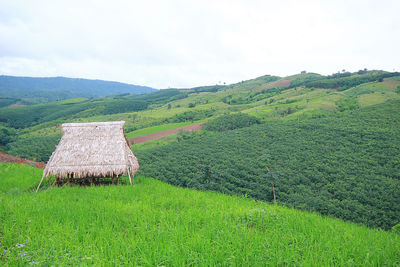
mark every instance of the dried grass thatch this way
{"type": "Point", "coordinates": [96, 149]}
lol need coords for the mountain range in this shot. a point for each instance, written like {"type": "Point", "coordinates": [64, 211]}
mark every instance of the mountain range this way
{"type": "Point", "coordinates": [45, 89]}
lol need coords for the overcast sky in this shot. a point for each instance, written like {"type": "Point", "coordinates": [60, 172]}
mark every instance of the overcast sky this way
{"type": "Point", "coordinates": [191, 43]}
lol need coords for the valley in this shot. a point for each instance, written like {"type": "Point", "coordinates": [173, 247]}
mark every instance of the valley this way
{"type": "Point", "coordinates": [211, 160]}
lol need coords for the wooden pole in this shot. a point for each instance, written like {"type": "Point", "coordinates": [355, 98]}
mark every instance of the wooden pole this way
{"type": "Point", "coordinates": [40, 182]}
{"type": "Point", "coordinates": [130, 180]}
{"type": "Point", "coordinates": [55, 182]}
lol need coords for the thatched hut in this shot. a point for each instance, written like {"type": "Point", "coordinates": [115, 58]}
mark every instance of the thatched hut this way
{"type": "Point", "coordinates": [91, 150]}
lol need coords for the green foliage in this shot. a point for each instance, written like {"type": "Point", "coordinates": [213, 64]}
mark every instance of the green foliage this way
{"type": "Point", "coordinates": [185, 135]}
{"type": "Point", "coordinates": [6, 135]}
{"type": "Point", "coordinates": [347, 103]}
{"type": "Point", "coordinates": [344, 166]}
{"type": "Point", "coordinates": [339, 81]}
{"type": "Point", "coordinates": [22, 117]}
{"type": "Point", "coordinates": [37, 148]}
{"type": "Point", "coordinates": [155, 143]}
{"type": "Point", "coordinates": [253, 83]}
{"type": "Point", "coordinates": [252, 96]}
{"type": "Point", "coordinates": [156, 129]}
{"type": "Point", "coordinates": [39, 140]}
{"type": "Point", "coordinates": [161, 96]}
{"type": "Point", "coordinates": [364, 89]}
{"type": "Point", "coordinates": [212, 88]}
{"type": "Point", "coordinates": [393, 78]}
{"type": "Point", "coordinates": [396, 228]}
{"type": "Point", "coordinates": [265, 79]}
{"type": "Point", "coordinates": [230, 122]}
{"type": "Point", "coordinates": [155, 224]}
{"type": "Point", "coordinates": [191, 115]}
{"type": "Point", "coordinates": [301, 79]}
{"type": "Point", "coordinates": [124, 105]}
{"type": "Point", "coordinates": [5, 101]}
{"type": "Point", "coordinates": [397, 90]}
{"type": "Point", "coordinates": [343, 83]}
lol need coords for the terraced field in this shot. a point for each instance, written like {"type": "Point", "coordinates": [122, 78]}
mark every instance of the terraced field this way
{"type": "Point", "coordinates": [158, 135]}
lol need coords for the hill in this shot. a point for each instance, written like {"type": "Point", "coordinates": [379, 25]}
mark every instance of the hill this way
{"type": "Point", "coordinates": [329, 149]}
{"type": "Point", "coordinates": [153, 223]}
{"type": "Point", "coordinates": [24, 90]}
{"type": "Point", "coordinates": [343, 165]}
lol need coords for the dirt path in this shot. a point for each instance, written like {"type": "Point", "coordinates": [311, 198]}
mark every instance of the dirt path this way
{"type": "Point", "coordinates": [145, 138]}
{"type": "Point", "coordinates": [12, 159]}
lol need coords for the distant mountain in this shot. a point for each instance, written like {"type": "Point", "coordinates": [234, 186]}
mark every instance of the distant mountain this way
{"type": "Point", "coordinates": [56, 88]}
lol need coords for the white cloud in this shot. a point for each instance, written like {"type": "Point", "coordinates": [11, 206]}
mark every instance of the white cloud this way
{"type": "Point", "coordinates": [191, 43]}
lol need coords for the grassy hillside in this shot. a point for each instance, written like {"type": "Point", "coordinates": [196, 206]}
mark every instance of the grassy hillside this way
{"type": "Point", "coordinates": [22, 117]}
{"type": "Point", "coordinates": [153, 223]}
{"type": "Point", "coordinates": [156, 129]}
{"type": "Point", "coordinates": [329, 142]}
{"type": "Point", "coordinates": [345, 165]}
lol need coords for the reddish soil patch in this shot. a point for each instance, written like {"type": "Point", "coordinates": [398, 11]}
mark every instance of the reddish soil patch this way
{"type": "Point", "coordinates": [391, 84]}
{"type": "Point", "coordinates": [12, 159]}
{"type": "Point", "coordinates": [277, 84]}
{"type": "Point", "coordinates": [154, 136]}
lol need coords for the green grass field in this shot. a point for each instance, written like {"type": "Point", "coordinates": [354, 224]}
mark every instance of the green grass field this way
{"type": "Point", "coordinates": [155, 224]}
{"type": "Point", "coordinates": [154, 143]}
{"type": "Point", "coordinates": [157, 129]}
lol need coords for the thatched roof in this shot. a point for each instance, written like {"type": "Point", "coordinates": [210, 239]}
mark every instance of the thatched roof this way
{"type": "Point", "coordinates": [96, 149]}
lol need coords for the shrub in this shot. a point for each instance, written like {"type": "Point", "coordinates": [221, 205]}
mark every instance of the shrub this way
{"type": "Point", "coordinates": [122, 106]}
{"type": "Point", "coordinates": [397, 90]}
{"type": "Point", "coordinates": [230, 122]}
{"type": "Point", "coordinates": [396, 228]}
{"type": "Point", "coordinates": [191, 115]}
{"type": "Point", "coordinates": [347, 103]}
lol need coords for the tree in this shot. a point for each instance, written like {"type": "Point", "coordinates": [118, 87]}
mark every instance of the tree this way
{"type": "Point", "coordinates": [6, 136]}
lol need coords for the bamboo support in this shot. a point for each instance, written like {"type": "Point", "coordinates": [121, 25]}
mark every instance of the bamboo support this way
{"type": "Point", "coordinates": [55, 182]}
{"type": "Point", "coordinates": [40, 182]}
{"type": "Point", "coordinates": [129, 174]}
